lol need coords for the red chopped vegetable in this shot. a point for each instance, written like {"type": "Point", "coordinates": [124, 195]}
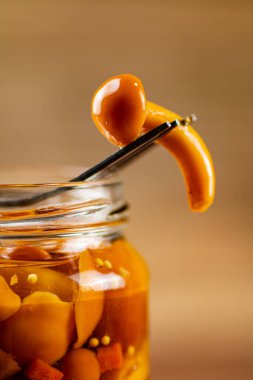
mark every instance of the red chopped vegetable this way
{"type": "Point", "coordinates": [39, 370]}
{"type": "Point", "coordinates": [110, 357]}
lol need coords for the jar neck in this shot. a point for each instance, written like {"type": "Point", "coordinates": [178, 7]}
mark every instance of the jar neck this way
{"type": "Point", "coordinates": [87, 210]}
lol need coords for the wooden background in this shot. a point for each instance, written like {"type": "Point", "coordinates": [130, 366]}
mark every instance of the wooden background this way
{"type": "Point", "coordinates": [193, 56]}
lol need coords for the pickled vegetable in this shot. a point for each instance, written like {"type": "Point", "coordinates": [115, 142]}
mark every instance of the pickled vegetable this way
{"type": "Point", "coordinates": [110, 358]}
{"type": "Point", "coordinates": [29, 253]}
{"type": "Point", "coordinates": [118, 118]}
{"type": "Point", "coordinates": [125, 309]}
{"type": "Point", "coordinates": [48, 280]}
{"type": "Point", "coordinates": [8, 366]}
{"type": "Point", "coordinates": [84, 317]}
{"type": "Point", "coordinates": [80, 364]}
{"type": "Point", "coordinates": [89, 303]}
{"type": "Point", "coordinates": [9, 301]}
{"type": "Point", "coordinates": [119, 109]}
{"type": "Point", "coordinates": [135, 366]}
{"type": "Point", "coordinates": [43, 328]}
{"type": "Point", "coordinates": [39, 370]}
{"type": "Point", "coordinates": [191, 154]}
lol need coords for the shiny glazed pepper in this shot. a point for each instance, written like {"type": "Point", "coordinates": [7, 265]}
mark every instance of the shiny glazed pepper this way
{"type": "Point", "coordinates": [191, 154]}
{"type": "Point", "coordinates": [120, 101]}
{"type": "Point", "coordinates": [121, 113]}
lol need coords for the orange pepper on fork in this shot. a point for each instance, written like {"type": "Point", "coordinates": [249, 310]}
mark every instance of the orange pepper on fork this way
{"type": "Point", "coordinates": [120, 111]}
{"type": "Point", "coordinates": [191, 154]}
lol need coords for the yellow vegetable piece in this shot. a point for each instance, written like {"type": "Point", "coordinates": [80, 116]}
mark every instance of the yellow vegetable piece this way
{"type": "Point", "coordinates": [125, 311]}
{"type": "Point", "coordinates": [89, 303]}
{"type": "Point", "coordinates": [9, 301]}
{"type": "Point", "coordinates": [48, 280]}
{"type": "Point", "coordinates": [191, 154]}
{"type": "Point", "coordinates": [43, 328]}
{"type": "Point", "coordinates": [127, 263]}
{"type": "Point", "coordinates": [80, 364]}
{"type": "Point", "coordinates": [8, 366]}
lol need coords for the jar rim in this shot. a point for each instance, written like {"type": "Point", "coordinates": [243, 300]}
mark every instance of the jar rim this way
{"type": "Point", "coordinates": [78, 184]}
{"type": "Point", "coordinates": [63, 206]}
{"type": "Point", "coordinates": [111, 177]}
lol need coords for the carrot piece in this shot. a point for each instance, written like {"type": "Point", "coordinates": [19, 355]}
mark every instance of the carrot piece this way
{"type": "Point", "coordinates": [110, 357]}
{"type": "Point", "coordinates": [39, 370]}
{"type": "Point", "coordinates": [30, 253]}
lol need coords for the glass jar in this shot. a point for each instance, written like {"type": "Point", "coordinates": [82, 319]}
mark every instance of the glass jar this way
{"type": "Point", "coordinates": [73, 291]}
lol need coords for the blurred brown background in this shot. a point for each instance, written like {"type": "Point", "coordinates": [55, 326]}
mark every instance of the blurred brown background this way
{"type": "Point", "coordinates": [193, 56]}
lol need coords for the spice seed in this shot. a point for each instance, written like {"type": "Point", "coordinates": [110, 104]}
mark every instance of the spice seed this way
{"type": "Point", "coordinates": [108, 264]}
{"type": "Point", "coordinates": [99, 262]}
{"type": "Point", "coordinates": [130, 350]}
{"type": "Point", "coordinates": [94, 342]}
{"type": "Point", "coordinates": [32, 278]}
{"type": "Point", "coordinates": [106, 340]}
{"type": "Point", "coordinates": [14, 280]}
{"type": "Point", "coordinates": [124, 272]}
